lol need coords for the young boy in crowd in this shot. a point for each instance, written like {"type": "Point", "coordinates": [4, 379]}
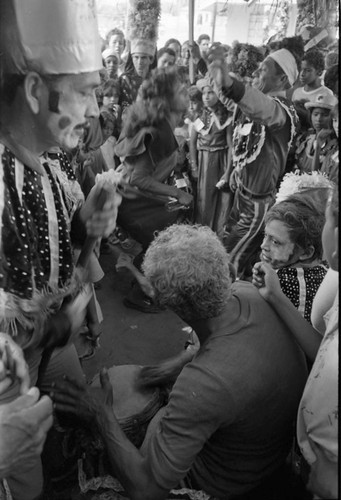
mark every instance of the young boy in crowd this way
{"type": "Point", "coordinates": [319, 109]}
{"type": "Point", "coordinates": [312, 67]}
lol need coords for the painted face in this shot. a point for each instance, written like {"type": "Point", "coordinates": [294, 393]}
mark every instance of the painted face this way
{"type": "Point", "coordinates": [265, 77]}
{"type": "Point", "coordinates": [329, 240]}
{"type": "Point", "coordinates": [76, 105]}
{"type": "Point", "coordinates": [277, 248]}
{"type": "Point", "coordinates": [165, 61]}
{"type": "Point", "coordinates": [111, 63]}
{"type": "Point", "coordinates": [320, 118]}
{"type": "Point", "coordinates": [308, 74]}
{"type": "Point", "coordinates": [117, 42]}
{"type": "Point", "coordinates": [141, 63]}
{"type": "Point", "coordinates": [209, 97]}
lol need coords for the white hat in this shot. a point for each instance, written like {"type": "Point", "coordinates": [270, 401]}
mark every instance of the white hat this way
{"type": "Point", "coordinates": [109, 51]}
{"type": "Point", "coordinates": [287, 62]}
{"type": "Point", "coordinates": [324, 100]}
{"type": "Point", "coordinates": [203, 82]}
{"type": "Point", "coordinates": [60, 36]}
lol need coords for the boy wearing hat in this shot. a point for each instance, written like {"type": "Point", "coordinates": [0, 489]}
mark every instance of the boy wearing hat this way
{"type": "Point", "coordinates": [319, 110]}
{"type": "Point", "coordinates": [48, 75]}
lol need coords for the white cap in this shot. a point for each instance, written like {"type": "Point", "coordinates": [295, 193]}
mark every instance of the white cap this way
{"type": "Point", "coordinates": [287, 62]}
{"type": "Point", "coordinates": [60, 36]}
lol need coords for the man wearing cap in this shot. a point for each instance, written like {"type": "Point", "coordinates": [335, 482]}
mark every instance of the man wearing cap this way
{"type": "Point", "coordinates": [264, 127]}
{"type": "Point", "coordinates": [49, 69]}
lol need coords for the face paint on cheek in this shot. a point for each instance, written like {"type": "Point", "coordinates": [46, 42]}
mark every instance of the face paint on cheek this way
{"type": "Point", "coordinates": [64, 122]}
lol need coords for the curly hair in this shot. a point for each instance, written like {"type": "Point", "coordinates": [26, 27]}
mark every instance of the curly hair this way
{"type": "Point", "coordinates": [157, 99]}
{"type": "Point", "coordinates": [304, 215]}
{"type": "Point", "coordinates": [189, 269]}
{"type": "Point", "coordinates": [315, 58]}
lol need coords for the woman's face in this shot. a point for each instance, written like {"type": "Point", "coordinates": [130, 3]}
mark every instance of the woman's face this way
{"type": "Point", "coordinates": [141, 63]}
{"type": "Point", "coordinates": [320, 118]}
{"type": "Point", "coordinates": [209, 97]}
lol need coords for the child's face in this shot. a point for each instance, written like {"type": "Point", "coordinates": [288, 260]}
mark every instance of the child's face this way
{"type": "Point", "coordinates": [117, 42]}
{"type": "Point", "coordinates": [278, 249]}
{"type": "Point", "coordinates": [308, 74]}
{"type": "Point", "coordinates": [330, 239]}
{"type": "Point", "coordinates": [109, 100]}
{"type": "Point", "coordinates": [111, 63]}
{"type": "Point", "coordinates": [107, 130]}
{"type": "Point", "coordinates": [194, 106]}
{"type": "Point", "coordinates": [320, 118]}
{"type": "Point", "coordinates": [209, 97]}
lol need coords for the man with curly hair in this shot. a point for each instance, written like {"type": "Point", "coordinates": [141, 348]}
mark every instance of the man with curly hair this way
{"type": "Point", "coordinates": [227, 427]}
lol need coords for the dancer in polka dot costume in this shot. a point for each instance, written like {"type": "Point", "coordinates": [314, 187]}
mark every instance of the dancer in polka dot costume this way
{"type": "Point", "coordinates": [48, 75]}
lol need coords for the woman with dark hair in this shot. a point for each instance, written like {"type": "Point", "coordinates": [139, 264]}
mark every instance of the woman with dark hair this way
{"type": "Point", "coordinates": [148, 148]}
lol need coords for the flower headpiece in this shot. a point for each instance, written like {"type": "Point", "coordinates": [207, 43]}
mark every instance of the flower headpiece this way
{"type": "Point", "coordinates": [142, 28]}
{"type": "Point", "coordinates": [294, 182]}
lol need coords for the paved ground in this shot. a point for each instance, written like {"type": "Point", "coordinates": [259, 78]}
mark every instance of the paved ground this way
{"type": "Point", "coordinates": [130, 336]}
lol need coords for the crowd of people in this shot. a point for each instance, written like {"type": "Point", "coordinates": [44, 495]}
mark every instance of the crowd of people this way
{"type": "Point", "coordinates": [221, 162]}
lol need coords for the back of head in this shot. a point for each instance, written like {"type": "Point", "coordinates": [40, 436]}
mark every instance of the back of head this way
{"type": "Point", "coordinates": [188, 268]}
{"type": "Point", "coordinates": [157, 98]}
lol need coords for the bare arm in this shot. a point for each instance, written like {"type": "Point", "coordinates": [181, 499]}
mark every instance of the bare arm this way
{"type": "Point", "coordinates": [266, 280]}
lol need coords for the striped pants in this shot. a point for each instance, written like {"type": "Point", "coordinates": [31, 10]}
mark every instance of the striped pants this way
{"type": "Point", "coordinates": [245, 231]}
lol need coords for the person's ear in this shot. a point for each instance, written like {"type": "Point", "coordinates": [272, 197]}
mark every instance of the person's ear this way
{"type": "Point", "coordinates": [33, 88]}
{"type": "Point", "coordinates": [307, 253]}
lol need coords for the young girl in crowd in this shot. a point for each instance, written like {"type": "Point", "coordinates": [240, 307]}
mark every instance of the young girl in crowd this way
{"type": "Point", "coordinates": [320, 117]}
{"type": "Point", "coordinates": [292, 245]}
{"type": "Point", "coordinates": [317, 422]}
{"type": "Point", "coordinates": [110, 62]}
{"type": "Point", "coordinates": [210, 147]}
